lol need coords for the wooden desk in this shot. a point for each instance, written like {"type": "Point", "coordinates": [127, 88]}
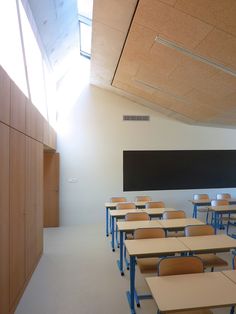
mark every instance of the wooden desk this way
{"type": "Point", "coordinates": [180, 223]}
{"type": "Point", "coordinates": [218, 210]}
{"type": "Point", "coordinates": [146, 248]}
{"type": "Point", "coordinates": [199, 203]}
{"type": "Point", "coordinates": [231, 274]}
{"type": "Point", "coordinates": [121, 213]}
{"type": "Point", "coordinates": [111, 205]}
{"type": "Point", "coordinates": [130, 226]}
{"type": "Point", "coordinates": [210, 243]}
{"type": "Point", "coordinates": [192, 291]}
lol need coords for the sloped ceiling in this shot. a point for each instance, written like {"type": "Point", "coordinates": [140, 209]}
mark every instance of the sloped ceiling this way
{"type": "Point", "coordinates": [128, 59]}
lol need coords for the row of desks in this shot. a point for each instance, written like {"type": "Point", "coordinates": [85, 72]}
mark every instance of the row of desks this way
{"type": "Point", "coordinates": [166, 246]}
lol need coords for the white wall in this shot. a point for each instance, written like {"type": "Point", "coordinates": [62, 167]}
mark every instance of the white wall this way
{"type": "Point", "coordinates": [91, 140]}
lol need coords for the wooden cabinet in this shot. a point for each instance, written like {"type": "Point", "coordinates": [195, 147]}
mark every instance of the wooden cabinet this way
{"type": "Point", "coordinates": [18, 108]}
{"type": "Point", "coordinates": [17, 214]}
{"type": "Point", "coordinates": [4, 219]}
{"type": "Point", "coordinates": [51, 189]}
{"type": "Point", "coordinates": [4, 97]}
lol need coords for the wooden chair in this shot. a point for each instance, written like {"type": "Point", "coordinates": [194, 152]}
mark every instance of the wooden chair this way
{"type": "Point", "coordinates": [209, 260]}
{"type": "Point", "coordinates": [143, 198]}
{"type": "Point", "coordinates": [221, 202]}
{"type": "Point", "coordinates": [155, 205]}
{"type": "Point", "coordinates": [147, 265]}
{"type": "Point", "coordinates": [139, 216]}
{"type": "Point", "coordinates": [179, 265]}
{"type": "Point", "coordinates": [223, 196]}
{"type": "Point", "coordinates": [174, 214]}
{"type": "Point", "coordinates": [126, 205]}
{"type": "Point", "coordinates": [118, 199]}
{"type": "Point", "coordinates": [202, 209]}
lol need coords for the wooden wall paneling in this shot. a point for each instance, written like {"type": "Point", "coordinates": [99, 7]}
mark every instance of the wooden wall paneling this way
{"type": "Point", "coordinates": [51, 189]}
{"type": "Point", "coordinates": [18, 108]}
{"type": "Point", "coordinates": [52, 138]}
{"type": "Point", "coordinates": [30, 123]}
{"type": "Point", "coordinates": [17, 215]}
{"type": "Point", "coordinates": [4, 97]}
{"type": "Point", "coordinates": [4, 219]}
{"type": "Point", "coordinates": [46, 132]}
{"type": "Point", "coordinates": [39, 126]}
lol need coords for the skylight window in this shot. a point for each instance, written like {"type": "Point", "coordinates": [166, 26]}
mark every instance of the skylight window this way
{"type": "Point", "coordinates": [85, 9]}
{"type": "Point", "coordinates": [85, 35]}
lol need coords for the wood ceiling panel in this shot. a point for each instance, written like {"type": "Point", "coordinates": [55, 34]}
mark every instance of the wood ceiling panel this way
{"type": "Point", "coordinates": [171, 23]}
{"type": "Point", "coordinates": [220, 13]}
{"type": "Point", "coordinates": [220, 47]}
{"type": "Point", "coordinates": [123, 13]}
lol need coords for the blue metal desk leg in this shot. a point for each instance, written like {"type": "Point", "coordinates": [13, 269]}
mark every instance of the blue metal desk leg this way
{"type": "Point", "coordinates": [107, 232]}
{"type": "Point", "coordinates": [195, 211]}
{"type": "Point", "coordinates": [113, 233]}
{"type": "Point", "coordinates": [215, 221]}
{"type": "Point", "coordinates": [130, 294]}
{"type": "Point", "coordinates": [120, 261]}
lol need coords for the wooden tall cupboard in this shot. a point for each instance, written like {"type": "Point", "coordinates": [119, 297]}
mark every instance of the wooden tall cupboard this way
{"type": "Point", "coordinates": [4, 218]}
{"type": "Point", "coordinates": [24, 134]}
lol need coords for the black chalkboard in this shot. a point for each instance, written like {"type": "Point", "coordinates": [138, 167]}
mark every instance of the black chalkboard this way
{"type": "Point", "coordinates": [178, 169]}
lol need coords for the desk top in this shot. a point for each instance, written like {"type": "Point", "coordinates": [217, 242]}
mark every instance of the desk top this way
{"type": "Point", "coordinates": [208, 202]}
{"type": "Point", "coordinates": [154, 247]}
{"type": "Point", "coordinates": [132, 225]}
{"type": "Point", "coordinates": [179, 223]}
{"type": "Point", "coordinates": [223, 208]}
{"type": "Point", "coordinates": [216, 243]}
{"type": "Point", "coordinates": [231, 274]}
{"type": "Point", "coordinates": [150, 211]}
{"type": "Point", "coordinates": [192, 291]}
{"type": "Point", "coordinates": [113, 205]}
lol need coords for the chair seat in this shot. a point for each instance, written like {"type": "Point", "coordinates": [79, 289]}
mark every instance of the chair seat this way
{"type": "Point", "coordinates": [148, 265]}
{"type": "Point", "coordinates": [175, 234]}
{"type": "Point", "coordinates": [212, 260]}
{"type": "Point", "coordinates": [227, 218]}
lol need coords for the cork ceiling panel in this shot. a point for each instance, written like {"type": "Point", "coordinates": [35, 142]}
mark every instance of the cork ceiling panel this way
{"type": "Point", "coordinates": [176, 56]}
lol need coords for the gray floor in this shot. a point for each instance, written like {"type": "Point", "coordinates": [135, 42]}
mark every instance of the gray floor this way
{"type": "Point", "coordinates": [78, 275]}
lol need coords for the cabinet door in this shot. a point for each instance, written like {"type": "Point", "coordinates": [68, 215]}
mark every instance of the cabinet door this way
{"type": "Point", "coordinates": [4, 219]}
{"type": "Point", "coordinates": [17, 215]}
{"type": "Point", "coordinates": [34, 201]}
{"type": "Point", "coordinates": [51, 189]}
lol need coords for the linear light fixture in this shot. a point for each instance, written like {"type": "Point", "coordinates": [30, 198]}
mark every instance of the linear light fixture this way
{"type": "Point", "coordinates": [193, 55]}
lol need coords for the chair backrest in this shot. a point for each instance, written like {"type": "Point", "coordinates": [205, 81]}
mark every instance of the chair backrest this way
{"type": "Point", "coordinates": [155, 205]}
{"type": "Point", "coordinates": [126, 206]}
{"type": "Point", "coordinates": [174, 214]}
{"type": "Point", "coordinates": [149, 233]}
{"type": "Point", "coordinates": [219, 202]}
{"type": "Point", "coordinates": [201, 230]}
{"type": "Point", "coordinates": [179, 265]}
{"type": "Point", "coordinates": [117, 199]}
{"type": "Point", "coordinates": [143, 198]}
{"type": "Point", "coordinates": [137, 216]}
{"type": "Point", "coordinates": [223, 196]}
{"type": "Point", "coordinates": [201, 197]}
